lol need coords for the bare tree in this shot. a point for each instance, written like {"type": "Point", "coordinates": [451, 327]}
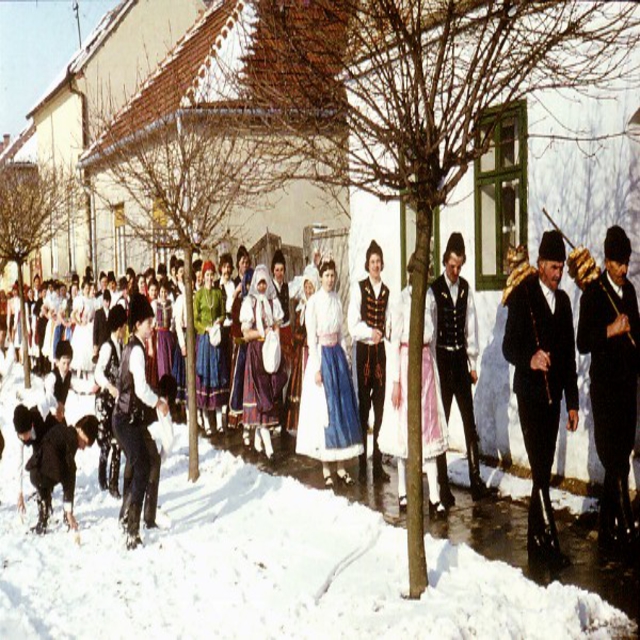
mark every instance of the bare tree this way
{"type": "Point", "coordinates": [407, 83]}
{"type": "Point", "coordinates": [34, 203]}
{"type": "Point", "coordinates": [182, 176]}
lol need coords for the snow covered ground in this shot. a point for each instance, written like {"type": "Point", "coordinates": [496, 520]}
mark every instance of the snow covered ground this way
{"type": "Point", "coordinates": [245, 554]}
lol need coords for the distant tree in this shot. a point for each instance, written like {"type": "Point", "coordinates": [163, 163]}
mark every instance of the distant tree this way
{"type": "Point", "coordinates": [407, 82]}
{"type": "Point", "coordinates": [34, 203]}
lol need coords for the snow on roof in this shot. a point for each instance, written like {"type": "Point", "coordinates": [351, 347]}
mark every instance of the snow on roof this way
{"type": "Point", "coordinates": [24, 147]}
{"type": "Point", "coordinates": [91, 44]}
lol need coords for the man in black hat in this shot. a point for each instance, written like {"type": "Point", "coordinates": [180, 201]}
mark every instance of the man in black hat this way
{"type": "Point", "coordinates": [609, 329]}
{"type": "Point", "coordinates": [368, 311]}
{"type": "Point", "coordinates": [57, 384]}
{"type": "Point", "coordinates": [539, 342]}
{"type": "Point", "coordinates": [131, 418]}
{"type": "Point", "coordinates": [54, 462]}
{"type": "Point", "coordinates": [453, 310]}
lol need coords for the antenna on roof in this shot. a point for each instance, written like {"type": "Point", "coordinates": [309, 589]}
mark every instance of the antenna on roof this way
{"type": "Point", "coordinates": [76, 9]}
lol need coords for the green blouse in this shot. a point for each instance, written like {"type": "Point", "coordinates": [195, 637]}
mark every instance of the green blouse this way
{"type": "Point", "coordinates": [207, 308]}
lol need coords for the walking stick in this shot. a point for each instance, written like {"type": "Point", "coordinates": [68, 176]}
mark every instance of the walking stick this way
{"type": "Point", "coordinates": [537, 338]}
{"type": "Point", "coordinates": [573, 247]}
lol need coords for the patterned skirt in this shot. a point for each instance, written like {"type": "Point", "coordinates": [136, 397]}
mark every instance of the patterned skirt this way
{"type": "Point", "coordinates": [165, 347]}
{"type": "Point", "coordinates": [298, 365]}
{"type": "Point", "coordinates": [262, 396]}
{"type": "Point", "coordinates": [212, 369]}
{"type": "Point", "coordinates": [237, 381]}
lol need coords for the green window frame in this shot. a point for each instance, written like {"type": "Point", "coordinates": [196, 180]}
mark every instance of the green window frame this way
{"type": "Point", "coordinates": [408, 240]}
{"type": "Point", "coordinates": [500, 193]}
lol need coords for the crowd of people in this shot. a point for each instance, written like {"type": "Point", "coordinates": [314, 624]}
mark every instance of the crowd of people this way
{"type": "Point", "coordinates": [272, 358]}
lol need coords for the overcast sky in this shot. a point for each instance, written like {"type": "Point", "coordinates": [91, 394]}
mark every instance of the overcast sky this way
{"type": "Point", "coordinates": [37, 40]}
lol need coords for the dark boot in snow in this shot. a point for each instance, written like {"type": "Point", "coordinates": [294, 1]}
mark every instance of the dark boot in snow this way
{"type": "Point", "coordinates": [114, 473]}
{"type": "Point", "coordinates": [151, 505]}
{"type": "Point", "coordinates": [102, 472]}
{"type": "Point", "coordinates": [43, 500]}
{"type": "Point", "coordinates": [133, 527]}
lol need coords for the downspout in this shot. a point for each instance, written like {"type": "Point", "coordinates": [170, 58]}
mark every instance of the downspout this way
{"type": "Point", "coordinates": [85, 181]}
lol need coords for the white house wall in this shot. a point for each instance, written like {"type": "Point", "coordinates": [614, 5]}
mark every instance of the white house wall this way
{"type": "Point", "coordinates": [587, 187]}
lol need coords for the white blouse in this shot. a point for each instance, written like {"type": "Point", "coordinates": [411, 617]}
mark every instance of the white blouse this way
{"type": "Point", "coordinates": [323, 317]}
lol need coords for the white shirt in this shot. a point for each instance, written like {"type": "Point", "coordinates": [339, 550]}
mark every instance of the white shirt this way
{"type": "Point", "coordinates": [614, 286]}
{"type": "Point", "coordinates": [358, 328]}
{"type": "Point", "coordinates": [103, 360]}
{"type": "Point", "coordinates": [323, 316]}
{"type": "Point", "coordinates": [549, 296]}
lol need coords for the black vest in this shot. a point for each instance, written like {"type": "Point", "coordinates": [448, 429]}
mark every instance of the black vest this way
{"type": "Point", "coordinates": [451, 319]}
{"type": "Point", "coordinates": [128, 403]}
{"type": "Point", "coordinates": [60, 386]}
{"type": "Point", "coordinates": [113, 365]}
{"type": "Point", "coordinates": [372, 309]}
{"type": "Point", "coordinates": [283, 296]}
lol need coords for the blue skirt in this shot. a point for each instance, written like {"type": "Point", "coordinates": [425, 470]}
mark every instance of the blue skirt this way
{"type": "Point", "coordinates": [179, 371]}
{"type": "Point", "coordinates": [213, 374]}
{"type": "Point", "coordinates": [344, 423]}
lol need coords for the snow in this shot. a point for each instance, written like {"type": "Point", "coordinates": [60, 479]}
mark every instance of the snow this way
{"type": "Point", "coordinates": [241, 553]}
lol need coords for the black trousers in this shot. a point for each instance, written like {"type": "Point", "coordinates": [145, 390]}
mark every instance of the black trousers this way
{"type": "Point", "coordinates": [539, 422]}
{"type": "Point", "coordinates": [371, 362]}
{"type": "Point", "coordinates": [455, 382]}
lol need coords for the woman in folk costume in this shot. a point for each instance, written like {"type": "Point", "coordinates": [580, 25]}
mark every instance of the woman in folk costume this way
{"type": "Point", "coordinates": [82, 339]}
{"type": "Point", "coordinates": [51, 307]}
{"type": "Point", "coordinates": [212, 385]}
{"type": "Point", "coordinates": [106, 377]}
{"type": "Point", "coordinates": [329, 426]}
{"type": "Point", "coordinates": [393, 432]}
{"type": "Point", "coordinates": [260, 314]}
{"type": "Point", "coordinates": [150, 345]}
{"type": "Point", "coordinates": [179, 369]}
{"type": "Point", "coordinates": [165, 343]}
{"type": "Point", "coordinates": [310, 284]}
{"type": "Point", "coordinates": [242, 282]}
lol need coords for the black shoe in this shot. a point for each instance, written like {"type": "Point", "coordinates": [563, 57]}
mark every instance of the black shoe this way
{"type": "Point", "coordinates": [346, 479]}
{"type": "Point", "coordinates": [437, 511]}
{"type": "Point", "coordinates": [133, 527]}
{"type": "Point", "coordinates": [380, 474]}
{"type": "Point", "coordinates": [479, 491]}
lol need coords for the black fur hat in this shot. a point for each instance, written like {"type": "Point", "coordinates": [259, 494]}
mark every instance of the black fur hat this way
{"type": "Point", "coordinates": [139, 310]}
{"type": "Point", "coordinates": [89, 426]}
{"type": "Point", "coordinates": [617, 246]}
{"type": "Point", "coordinates": [278, 258]}
{"type": "Point", "coordinates": [64, 348]}
{"type": "Point", "coordinates": [552, 247]}
{"type": "Point", "coordinates": [374, 249]}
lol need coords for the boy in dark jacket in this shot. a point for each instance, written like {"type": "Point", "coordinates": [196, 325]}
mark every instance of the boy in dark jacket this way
{"type": "Point", "coordinates": [54, 462]}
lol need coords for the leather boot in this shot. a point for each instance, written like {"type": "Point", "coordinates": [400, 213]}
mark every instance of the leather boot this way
{"type": "Point", "coordinates": [133, 527]}
{"type": "Point", "coordinates": [114, 473]}
{"type": "Point", "coordinates": [446, 497]}
{"type": "Point", "coordinates": [378, 470]}
{"type": "Point", "coordinates": [43, 499]}
{"type": "Point", "coordinates": [556, 559]}
{"type": "Point", "coordinates": [102, 470]}
{"type": "Point", "coordinates": [607, 539]}
{"type": "Point", "coordinates": [626, 532]}
{"type": "Point", "coordinates": [123, 518]}
{"type": "Point", "coordinates": [479, 489]}
{"type": "Point", "coordinates": [151, 505]}
{"type": "Point", "coordinates": [535, 530]}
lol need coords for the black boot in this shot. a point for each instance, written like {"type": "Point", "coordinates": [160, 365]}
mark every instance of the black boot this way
{"type": "Point", "coordinates": [133, 526]}
{"type": "Point", "coordinates": [123, 518]}
{"type": "Point", "coordinates": [114, 473]}
{"type": "Point", "coordinates": [556, 559]}
{"type": "Point", "coordinates": [446, 497]}
{"type": "Point", "coordinates": [151, 505]}
{"type": "Point", "coordinates": [607, 539]}
{"type": "Point", "coordinates": [378, 470]}
{"type": "Point", "coordinates": [479, 489]}
{"type": "Point", "coordinates": [536, 544]}
{"type": "Point", "coordinates": [626, 532]}
{"type": "Point", "coordinates": [102, 471]}
{"type": "Point", "coordinates": [43, 500]}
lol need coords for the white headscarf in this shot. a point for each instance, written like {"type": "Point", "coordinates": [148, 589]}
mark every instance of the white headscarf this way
{"type": "Point", "coordinates": [311, 275]}
{"type": "Point", "coordinates": [264, 314]}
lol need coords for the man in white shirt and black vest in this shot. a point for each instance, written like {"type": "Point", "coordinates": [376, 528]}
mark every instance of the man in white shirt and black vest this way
{"type": "Point", "coordinates": [454, 313]}
{"type": "Point", "coordinates": [368, 309]}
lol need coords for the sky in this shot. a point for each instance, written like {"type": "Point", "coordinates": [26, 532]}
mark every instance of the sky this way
{"type": "Point", "coordinates": [37, 40]}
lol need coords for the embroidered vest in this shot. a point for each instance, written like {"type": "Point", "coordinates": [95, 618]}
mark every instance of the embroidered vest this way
{"type": "Point", "coordinates": [372, 309]}
{"type": "Point", "coordinates": [128, 402]}
{"type": "Point", "coordinates": [451, 319]}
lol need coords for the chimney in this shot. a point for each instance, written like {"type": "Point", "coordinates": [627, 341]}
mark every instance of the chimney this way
{"type": "Point", "coordinates": [6, 140]}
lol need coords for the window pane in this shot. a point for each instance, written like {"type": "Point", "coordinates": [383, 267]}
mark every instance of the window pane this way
{"type": "Point", "coordinates": [509, 143]}
{"type": "Point", "coordinates": [510, 218]}
{"type": "Point", "coordinates": [488, 160]}
{"type": "Point", "coordinates": [488, 229]}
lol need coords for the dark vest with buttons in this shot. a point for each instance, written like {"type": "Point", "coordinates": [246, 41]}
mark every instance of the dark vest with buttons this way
{"type": "Point", "coordinates": [60, 386]}
{"type": "Point", "coordinates": [283, 296]}
{"type": "Point", "coordinates": [128, 403]}
{"type": "Point", "coordinates": [372, 309]}
{"type": "Point", "coordinates": [451, 319]}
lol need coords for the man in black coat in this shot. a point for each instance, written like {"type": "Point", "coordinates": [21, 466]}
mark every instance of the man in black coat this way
{"type": "Point", "coordinates": [54, 462]}
{"type": "Point", "coordinates": [100, 324]}
{"type": "Point", "coordinates": [539, 342]}
{"type": "Point", "coordinates": [609, 329]}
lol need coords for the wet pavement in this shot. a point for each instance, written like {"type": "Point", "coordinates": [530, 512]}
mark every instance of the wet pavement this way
{"type": "Point", "coordinates": [495, 528]}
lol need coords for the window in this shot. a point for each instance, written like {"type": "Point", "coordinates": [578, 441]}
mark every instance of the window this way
{"type": "Point", "coordinates": [120, 237]}
{"type": "Point", "coordinates": [408, 240]}
{"type": "Point", "coordinates": [161, 251]}
{"type": "Point", "coordinates": [500, 193]}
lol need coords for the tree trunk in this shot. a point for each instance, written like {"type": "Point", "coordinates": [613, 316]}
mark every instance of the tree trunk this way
{"type": "Point", "coordinates": [418, 579]}
{"type": "Point", "coordinates": [194, 471]}
{"type": "Point", "coordinates": [26, 362]}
